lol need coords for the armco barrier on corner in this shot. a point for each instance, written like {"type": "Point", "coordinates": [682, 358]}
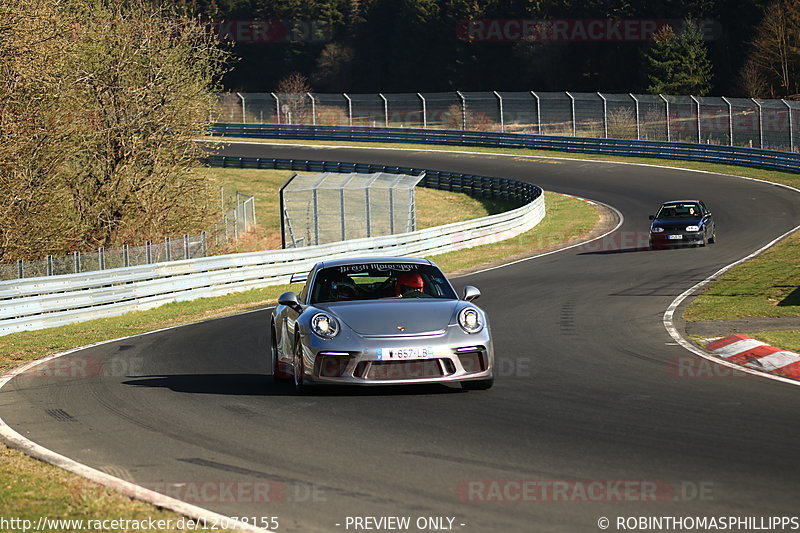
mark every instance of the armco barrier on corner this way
{"type": "Point", "coordinates": [36, 303]}
{"type": "Point", "coordinates": [710, 153]}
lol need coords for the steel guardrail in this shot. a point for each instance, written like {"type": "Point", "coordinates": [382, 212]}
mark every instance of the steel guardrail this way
{"type": "Point", "coordinates": [709, 153]}
{"type": "Point", "coordinates": [35, 303]}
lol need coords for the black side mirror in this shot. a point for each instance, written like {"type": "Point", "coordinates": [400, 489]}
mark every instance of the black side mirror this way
{"type": "Point", "coordinates": [290, 300]}
{"type": "Point", "coordinates": [471, 293]}
{"type": "Point", "coordinates": [652, 217]}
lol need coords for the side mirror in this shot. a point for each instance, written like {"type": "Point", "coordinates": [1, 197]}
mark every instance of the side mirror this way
{"type": "Point", "coordinates": [471, 293]}
{"type": "Point", "coordinates": [290, 300]}
{"type": "Point", "coordinates": [652, 217]}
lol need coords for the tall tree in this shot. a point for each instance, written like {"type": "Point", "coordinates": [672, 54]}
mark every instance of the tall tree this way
{"type": "Point", "coordinates": [678, 62]}
{"type": "Point", "coordinates": [772, 69]}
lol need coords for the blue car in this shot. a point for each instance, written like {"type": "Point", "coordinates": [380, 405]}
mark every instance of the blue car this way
{"type": "Point", "coordinates": [682, 222]}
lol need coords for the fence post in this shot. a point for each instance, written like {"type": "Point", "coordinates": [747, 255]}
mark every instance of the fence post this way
{"type": "Point", "coordinates": [538, 111]}
{"type": "Point", "coordinates": [666, 115]}
{"type": "Point", "coordinates": [638, 124]}
{"type": "Point", "coordinates": [463, 110]}
{"type": "Point", "coordinates": [49, 265]}
{"type": "Point", "coordinates": [424, 111]}
{"type": "Point", "coordinates": [385, 110]}
{"type": "Point", "coordinates": [76, 262]}
{"type": "Point", "coordinates": [313, 109]}
{"type": "Point", "coordinates": [168, 244]}
{"type": "Point", "coordinates": [315, 207]}
{"type": "Point", "coordinates": [101, 256]}
{"type": "Point", "coordinates": [277, 107]}
{"type": "Point", "coordinates": [369, 221]}
{"type": "Point", "coordinates": [185, 246]}
{"type": "Point", "coordinates": [244, 115]}
{"type": "Point", "coordinates": [730, 119]}
{"type": "Point", "coordinates": [574, 123]}
{"type": "Point", "coordinates": [502, 120]}
{"type": "Point", "coordinates": [605, 115]}
{"type": "Point", "coordinates": [791, 132]}
{"type": "Point", "coordinates": [760, 124]}
{"type": "Point", "coordinates": [349, 109]}
{"type": "Point", "coordinates": [696, 101]}
{"type": "Point", "coordinates": [20, 269]}
{"type": "Point", "coordinates": [126, 258]}
{"type": "Point", "coordinates": [203, 244]}
{"type": "Point", "coordinates": [148, 252]}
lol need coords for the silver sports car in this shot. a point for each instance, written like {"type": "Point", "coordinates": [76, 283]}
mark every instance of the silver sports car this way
{"type": "Point", "coordinates": [380, 321]}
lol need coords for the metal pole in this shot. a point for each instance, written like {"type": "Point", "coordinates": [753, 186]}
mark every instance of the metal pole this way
{"type": "Point", "coordinates": [126, 259]}
{"type": "Point", "coordinates": [760, 124]}
{"type": "Point", "coordinates": [424, 112]}
{"type": "Point", "coordinates": [148, 252]}
{"type": "Point", "coordinates": [277, 107]}
{"type": "Point", "coordinates": [696, 101]}
{"type": "Point", "coordinates": [76, 262]}
{"type": "Point", "coordinates": [313, 109]}
{"type": "Point", "coordinates": [349, 109]}
{"type": "Point", "coordinates": [636, 106]}
{"type": "Point", "coordinates": [20, 269]}
{"type": "Point", "coordinates": [369, 218]}
{"type": "Point", "coordinates": [50, 265]}
{"type": "Point", "coordinates": [341, 214]}
{"type": "Point", "coordinates": [538, 111]}
{"type": "Point", "coordinates": [666, 114]}
{"type": "Point", "coordinates": [791, 132]}
{"type": "Point", "coordinates": [391, 210]}
{"type": "Point", "coordinates": [605, 115]}
{"type": "Point", "coordinates": [244, 116]}
{"type": "Point", "coordinates": [101, 255]}
{"type": "Point", "coordinates": [168, 244]}
{"type": "Point", "coordinates": [385, 110]}
{"type": "Point", "coordinates": [463, 110]}
{"type": "Point", "coordinates": [502, 120]}
{"type": "Point", "coordinates": [315, 204]}
{"type": "Point", "coordinates": [203, 243]}
{"type": "Point", "coordinates": [185, 246]}
{"type": "Point", "coordinates": [730, 120]}
{"type": "Point", "coordinates": [574, 124]}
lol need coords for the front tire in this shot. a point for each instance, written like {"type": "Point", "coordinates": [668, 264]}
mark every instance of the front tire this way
{"type": "Point", "coordinates": [482, 384]}
{"type": "Point", "coordinates": [298, 367]}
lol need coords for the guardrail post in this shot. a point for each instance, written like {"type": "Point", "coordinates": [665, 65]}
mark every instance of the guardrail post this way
{"type": "Point", "coordinates": [696, 101]}
{"type": "Point", "coordinates": [313, 109]}
{"type": "Point", "coordinates": [20, 269]}
{"type": "Point", "coordinates": [315, 208]}
{"type": "Point", "coordinates": [730, 119]}
{"type": "Point", "coordinates": [203, 243]}
{"type": "Point", "coordinates": [49, 261]}
{"type": "Point", "coordinates": [605, 115]}
{"type": "Point", "coordinates": [185, 246]}
{"type": "Point", "coordinates": [148, 252]}
{"type": "Point", "coordinates": [791, 132]}
{"type": "Point", "coordinates": [349, 109]}
{"type": "Point", "coordinates": [385, 110]}
{"type": "Point", "coordinates": [76, 262]}
{"type": "Point", "coordinates": [424, 111]}
{"type": "Point", "coordinates": [502, 119]}
{"type": "Point", "coordinates": [666, 115]}
{"type": "Point", "coordinates": [277, 107]}
{"type": "Point", "coordinates": [369, 218]}
{"type": "Point", "coordinates": [101, 256]}
{"type": "Point", "coordinates": [463, 110]}
{"type": "Point", "coordinates": [168, 244]}
{"type": "Point", "coordinates": [574, 123]}
{"type": "Point", "coordinates": [126, 257]}
{"type": "Point", "coordinates": [638, 124]}
{"type": "Point", "coordinates": [760, 124]}
{"type": "Point", "coordinates": [538, 111]}
{"type": "Point", "coordinates": [244, 116]}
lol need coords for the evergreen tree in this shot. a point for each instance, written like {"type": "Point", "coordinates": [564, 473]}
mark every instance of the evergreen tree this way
{"type": "Point", "coordinates": [678, 62]}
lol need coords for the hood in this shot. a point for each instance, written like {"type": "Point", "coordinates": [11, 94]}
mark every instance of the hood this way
{"type": "Point", "coordinates": [382, 317]}
{"type": "Point", "coordinates": [675, 223]}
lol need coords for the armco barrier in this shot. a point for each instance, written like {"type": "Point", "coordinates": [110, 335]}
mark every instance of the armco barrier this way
{"type": "Point", "coordinates": [37, 303]}
{"type": "Point", "coordinates": [710, 153]}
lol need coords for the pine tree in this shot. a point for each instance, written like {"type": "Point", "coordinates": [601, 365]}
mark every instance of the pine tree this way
{"type": "Point", "coordinates": [678, 62]}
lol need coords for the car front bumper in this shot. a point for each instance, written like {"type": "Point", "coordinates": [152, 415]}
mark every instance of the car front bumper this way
{"type": "Point", "coordinates": [676, 238]}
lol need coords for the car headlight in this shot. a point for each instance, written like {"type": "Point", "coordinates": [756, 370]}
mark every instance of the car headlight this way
{"type": "Point", "coordinates": [692, 228]}
{"type": "Point", "coordinates": [656, 230]}
{"type": "Point", "coordinates": [324, 325]}
{"type": "Point", "coordinates": [470, 320]}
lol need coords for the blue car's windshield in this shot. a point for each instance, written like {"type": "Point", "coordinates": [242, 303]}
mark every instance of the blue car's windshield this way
{"type": "Point", "coordinates": [679, 211]}
{"type": "Point", "coordinates": [372, 281]}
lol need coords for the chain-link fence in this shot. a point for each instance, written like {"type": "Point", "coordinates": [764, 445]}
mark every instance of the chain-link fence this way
{"type": "Point", "coordinates": [756, 123]}
{"type": "Point", "coordinates": [333, 206]}
{"type": "Point", "coordinates": [238, 217]}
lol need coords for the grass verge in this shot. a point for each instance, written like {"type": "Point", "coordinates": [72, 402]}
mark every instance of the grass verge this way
{"type": "Point", "coordinates": [786, 340]}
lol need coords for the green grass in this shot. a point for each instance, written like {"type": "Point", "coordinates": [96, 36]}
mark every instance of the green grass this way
{"type": "Point", "coordinates": [766, 286]}
{"type": "Point", "coordinates": [786, 340]}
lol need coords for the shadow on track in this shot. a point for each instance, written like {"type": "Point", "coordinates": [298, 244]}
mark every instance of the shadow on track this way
{"type": "Point", "coordinates": [264, 385]}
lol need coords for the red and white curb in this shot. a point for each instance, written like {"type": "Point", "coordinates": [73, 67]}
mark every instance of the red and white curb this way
{"type": "Point", "coordinates": [746, 351]}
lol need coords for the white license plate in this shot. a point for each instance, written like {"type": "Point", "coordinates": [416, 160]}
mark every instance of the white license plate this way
{"type": "Point", "coordinates": [674, 237]}
{"type": "Point", "coordinates": [387, 354]}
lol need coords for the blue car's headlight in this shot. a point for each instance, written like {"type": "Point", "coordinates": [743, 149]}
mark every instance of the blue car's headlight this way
{"type": "Point", "coordinates": [655, 229]}
{"type": "Point", "coordinates": [470, 320]}
{"type": "Point", "coordinates": [692, 228]}
{"type": "Point", "coordinates": [324, 326]}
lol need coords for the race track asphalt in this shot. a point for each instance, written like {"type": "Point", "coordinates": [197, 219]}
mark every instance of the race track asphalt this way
{"type": "Point", "coordinates": [591, 390]}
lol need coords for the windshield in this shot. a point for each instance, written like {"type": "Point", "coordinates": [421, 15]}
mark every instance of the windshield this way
{"type": "Point", "coordinates": [373, 281]}
{"type": "Point", "coordinates": [679, 211]}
